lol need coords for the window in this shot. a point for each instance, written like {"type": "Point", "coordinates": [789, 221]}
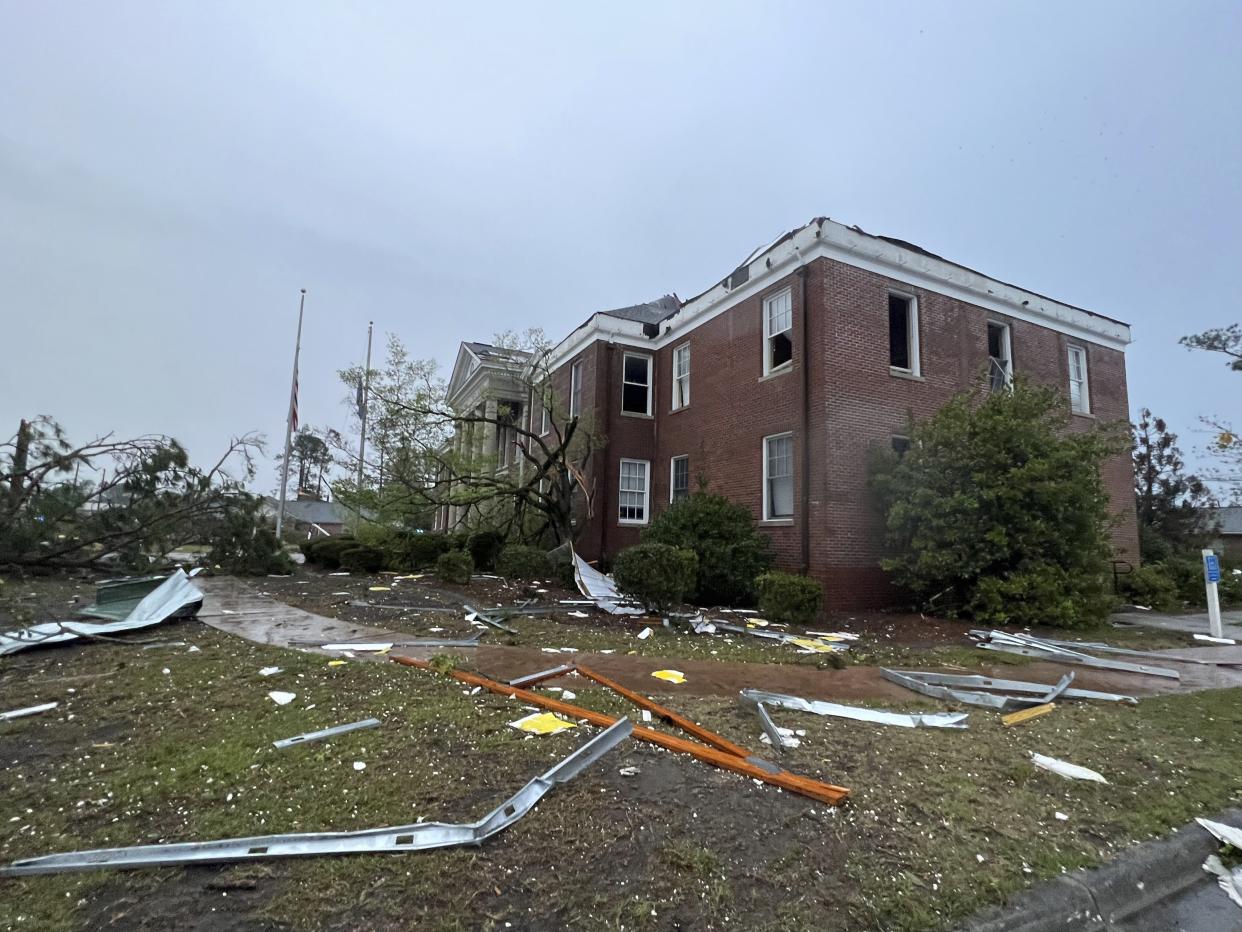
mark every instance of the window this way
{"type": "Point", "coordinates": [575, 389]}
{"type": "Point", "coordinates": [681, 376]}
{"type": "Point", "coordinates": [1080, 398]}
{"type": "Point", "coordinates": [635, 492]}
{"type": "Point", "coordinates": [636, 384]}
{"type": "Point", "coordinates": [777, 331]}
{"type": "Point", "coordinates": [778, 490]}
{"type": "Point", "coordinates": [508, 416]}
{"type": "Point", "coordinates": [900, 446]}
{"type": "Point", "coordinates": [903, 333]}
{"type": "Point", "coordinates": [679, 478]}
{"type": "Point", "coordinates": [545, 419]}
{"type": "Point", "coordinates": [1000, 360]}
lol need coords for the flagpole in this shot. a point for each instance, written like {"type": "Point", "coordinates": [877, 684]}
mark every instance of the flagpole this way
{"type": "Point", "coordinates": [366, 388]}
{"type": "Point", "coordinates": [293, 396]}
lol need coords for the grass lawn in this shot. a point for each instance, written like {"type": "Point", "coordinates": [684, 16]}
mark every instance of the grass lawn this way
{"type": "Point", "coordinates": [174, 744]}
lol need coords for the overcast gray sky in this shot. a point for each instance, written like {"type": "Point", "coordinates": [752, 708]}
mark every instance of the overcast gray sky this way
{"type": "Point", "coordinates": [172, 174]}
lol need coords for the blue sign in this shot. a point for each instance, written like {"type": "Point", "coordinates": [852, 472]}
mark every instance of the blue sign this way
{"type": "Point", "coordinates": [1211, 566]}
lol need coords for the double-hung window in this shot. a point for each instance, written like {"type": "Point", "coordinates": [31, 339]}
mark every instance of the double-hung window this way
{"type": "Point", "coordinates": [634, 497]}
{"type": "Point", "coordinates": [778, 331]}
{"type": "Point", "coordinates": [681, 376]}
{"type": "Point", "coordinates": [1000, 356]}
{"type": "Point", "coordinates": [636, 384]}
{"type": "Point", "coordinates": [575, 389]}
{"type": "Point", "coordinates": [679, 478]}
{"type": "Point", "coordinates": [1080, 397]}
{"type": "Point", "coordinates": [778, 486]}
{"type": "Point", "coordinates": [903, 333]}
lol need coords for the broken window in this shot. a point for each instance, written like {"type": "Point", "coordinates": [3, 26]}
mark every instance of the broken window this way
{"type": "Point", "coordinates": [507, 414]}
{"type": "Point", "coordinates": [636, 384]}
{"type": "Point", "coordinates": [900, 446]}
{"type": "Point", "coordinates": [679, 481]}
{"type": "Point", "coordinates": [681, 376]}
{"type": "Point", "coordinates": [1080, 400]}
{"type": "Point", "coordinates": [633, 496]}
{"type": "Point", "coordinates": [903, 333]}
{"type": "Point", "coordinates": [575, 389]}
{"type": "Point", "coordinates": [777, 331]}
{"type": "Point", "coordinates": [778, 490]}
{"type": "Point", "coordinates": [1000, 362]}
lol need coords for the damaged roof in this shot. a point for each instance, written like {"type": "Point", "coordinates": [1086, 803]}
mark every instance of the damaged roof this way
{"type": "Point", "coordinates": [650, 312]}
{"type": "Point", "coordinates": [488, 352]}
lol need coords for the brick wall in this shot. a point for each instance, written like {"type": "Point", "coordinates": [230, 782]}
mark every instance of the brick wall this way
{"type": "Point", "coordinates": [854, 403]}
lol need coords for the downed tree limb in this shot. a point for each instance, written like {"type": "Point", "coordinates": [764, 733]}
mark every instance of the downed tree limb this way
{"type": "Point", "coordinates": [753, 767]}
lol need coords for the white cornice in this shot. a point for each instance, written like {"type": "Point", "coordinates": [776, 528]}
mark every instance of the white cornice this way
{"type": "Point", "coordinates": [831, 240]}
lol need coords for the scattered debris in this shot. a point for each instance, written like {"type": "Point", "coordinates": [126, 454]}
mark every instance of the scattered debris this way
{"type": "Point", "coordinates": [938, 686]}
{"type": "Point", "coordinates": [591, 582]}
{"type": "Point", "coordinates": [416, 837]}
{"type": "Point", "coordinates": [336, 663]}
{"type": "Point", "coordinates": [629, 771]}
{"type": "Point", "coordinates": [875, 716]}
{"type": "Point", "coordinates": [377, 648]}
{"type": "Point", "coordinates": [644, 634]}
{"type": "Point", "coordinates": [281, 698]}
{"type": "Point", "coordinates": [1212, 640]}
{"type": "Point", "coordinates": [670, 676]}
{"type": "Point", "coordinates": [542, 723]}
{"type": "Point", "coordinates": [819, 645]}
{"type": "Point", "coordinates": [779, 738]}
{"type": "Point", "coordinates": [271, 671]}
{"type": "Point", "coordinates": [29, 710]}
{"type": "Point", "coordinates": [1225, 833]}
{"type": "Point", "coordinates": [1067, 770]}
{"type": "Point", "coordinates": [1025, 715]}
{"type": "Point", "coordinates": [577, 614]}
{"type": "Point", "coordinates": [160, 644]}
{"type": "Point", "coordinates": [1060, 816]}
{"type": "Point", "coordinates": [525, 682]}
{"type": "Point", "coordinates": [1059, 652]}
{"type": "Point", "coordinates": [487, 617]}
{"type": "Point", "coordinates": [379, 588]}
{"type": "Point", "coordinates": [360, 765]}
{"type": "Point", "coordinates": [754, 767]}
{"type": "Point", "coordinates": [325, 733]}
{"type": "Point", "coordinates": [1229, 880]}
{"type": "Point", "coordinates": [174, 597]}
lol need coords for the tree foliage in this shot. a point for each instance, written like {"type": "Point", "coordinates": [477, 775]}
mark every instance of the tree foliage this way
{"type": "Point", "coordinates": [998, 511]}
{"type": "Point", "coordinates": [1171, 504]}
{"type": "Point", "coordinates": [147, 500]}
{"type": "Point", "coordinates": [1224, 340]}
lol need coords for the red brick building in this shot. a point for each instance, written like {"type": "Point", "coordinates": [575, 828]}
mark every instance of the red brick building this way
{"type": "Point", "coordinates": [773, 387]}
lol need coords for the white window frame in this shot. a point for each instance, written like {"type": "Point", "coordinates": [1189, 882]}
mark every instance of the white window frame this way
{"type": "Point", "coordinates": [1007, 330]}
{"type": "Point", "coordinates": [1084, 394]}
{"type": "Point", "coordinates": [575, 389]}
{"type": "Point", "coordinates": [768, 333]}
{"type": "Point", "coordinates": [767, 504]}
{"type": "Point", "coordinates": [912, 335]}
{"type": "Point", "coordinates": [681, 381]}
{"type": "Point", "coordinates": [544, 421]}
{"type": "Point", "coordinates": [672, 474]}
{"type": "Point", "coordinates": [650, 383]}
{"type": "Point", "coordinates": [646, 518]}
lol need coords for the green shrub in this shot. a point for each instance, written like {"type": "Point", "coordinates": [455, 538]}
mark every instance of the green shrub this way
{"type": "Point", "coordinates": [307, 546]}
{"type": "Point", "coordinates": [789, 598]}
{"type": "Point", "coordinates": [484, 548]}
{"type": "Point", "coordinates": [456, 566]}
{"type": "Point", "coordinates": [362, 559]}
{"type": "Point", "coordinates": [998, 511]}
{"type": "Point", "coordinates": [731, 551]}
{"type": "Point", "coordinates": [326, 552]}
{"type": "Point", "coordinates": [657, 575]}
{"type": "Point", "coordinates": [241, 544]}
{"type": "Point", "coordinates": [419, 551]}
{"type": "Point", "coordinates": [1151, 585]}
{"type": "Point", "coordinates": [521, 562]}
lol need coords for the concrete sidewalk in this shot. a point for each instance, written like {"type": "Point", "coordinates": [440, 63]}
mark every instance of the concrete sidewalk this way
{"type": "Point", "coordinates": [1231, 622]}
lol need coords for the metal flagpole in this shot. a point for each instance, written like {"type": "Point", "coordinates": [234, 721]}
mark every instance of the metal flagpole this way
{"type": "Point", "coordinates": [290, 422]}
{"type": "Point", "coordinates": [366, 387]}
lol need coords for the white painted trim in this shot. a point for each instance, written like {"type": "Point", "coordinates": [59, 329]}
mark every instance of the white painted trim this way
{"type": "Point", "coordinates": [646, 464]}
{"type": "Point", "coordinates": [1007, 331]}
{"type": "Point", "coordinates": [840, 243]}
{"type": "Point", "coordinates": [765, 306]}
{"type": "Point", "coordinates": [767, 517]}
{"type": "Point", "coordinates": [575, 397]}
{"type": "Point", "coordinates": [673, 405]}
{"type": "Point", "coordinates": [672, 472]}
{"type": "Point", "coordinates": [650, 383]}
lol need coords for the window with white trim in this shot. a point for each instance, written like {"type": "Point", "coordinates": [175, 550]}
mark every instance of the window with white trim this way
{"type": "Point", "coordinates": [1079, 392]}
{"type": "Point", "coordinates": [634, 496]}
{"type": "Point", "coordinates": [778, 331]}
{"type": "Point", "coordinates": [681, 376]}
{"type": "Point", "coordinates": [545, 419]}
{"type": "Point", "coordinates": [778, 486]}
{"type": "Point", "coordinates": [1000, 356]}
{"type": "Point", "coordinates": [575, 389]}
{"type": "Point", "coordinates": [679, 478]}
{"type": "Point", "coordinates": [635, 383]}
{"type": "Point", "coordinates": [903, 333]}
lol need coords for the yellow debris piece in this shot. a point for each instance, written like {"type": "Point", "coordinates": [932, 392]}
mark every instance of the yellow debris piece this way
{"type": "Point", "coordinates": [819, 647]}
{"type": "Point", "coordinates": [672, 676]}
{"type": "Point", "coordinates": [336, 663]}
{"type": "Point", "coordinates": [380, 588]}
{"type": "Point", "coordinates": [1024, 715]}
{"type": "Point", "coordinates": [542, 723]}
{"type": "Point", "coordinates": [756, 623]}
